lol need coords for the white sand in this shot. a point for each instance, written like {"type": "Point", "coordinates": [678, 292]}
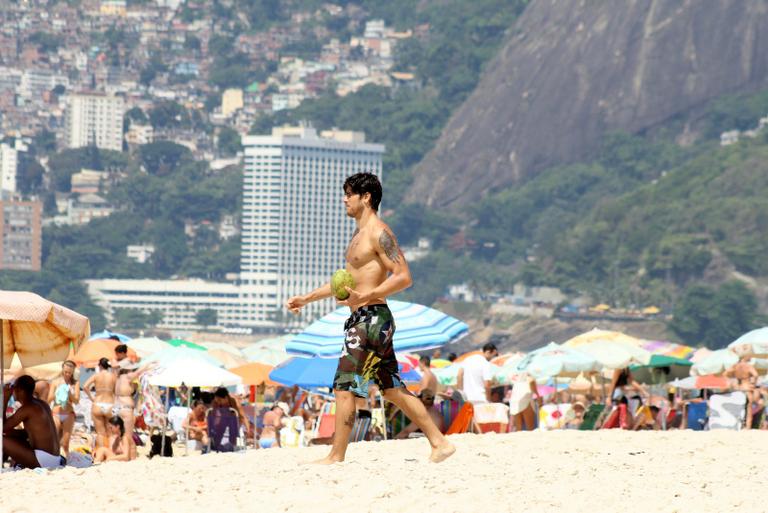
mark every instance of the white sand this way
{"type": "Point", "coordinates": [540, 471]}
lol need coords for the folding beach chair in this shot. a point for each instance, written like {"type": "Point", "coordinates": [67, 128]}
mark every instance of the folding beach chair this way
{"type": "Point", "coordinates": [463, 421]}
{"type": "Point", "coordinates": [362, 424]}
{"type": "Point", "coordinates": [223, 429]}
{"type": "Point", "coordinates": [696, 416]}
{"type": "Point", "coordinates": [591, 417]}
{"type": "Point", "coordinates": [727, 411]}
{"type": "Point", "coordinates": [449, 409]}
{"type": "Point", "coordinates": [617, 418]}
{"type": "Point", "coordinates": [491, 417]}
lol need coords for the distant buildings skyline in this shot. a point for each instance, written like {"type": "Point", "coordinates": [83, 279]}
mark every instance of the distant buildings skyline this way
{"type": "Point", "coordinates": [294, 232]}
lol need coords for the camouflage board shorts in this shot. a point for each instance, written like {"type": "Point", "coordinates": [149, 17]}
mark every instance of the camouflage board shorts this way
{"type": "Point", "coordinates": [368, 353]}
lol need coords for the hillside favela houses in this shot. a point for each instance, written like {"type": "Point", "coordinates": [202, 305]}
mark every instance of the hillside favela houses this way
{"type": "Point", "coordinates": [294, 231]}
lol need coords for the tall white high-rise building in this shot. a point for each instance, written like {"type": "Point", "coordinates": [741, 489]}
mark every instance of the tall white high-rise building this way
{"type": "Point", "coordinates": [294, 226]}
{"type": "Point", "coordinates": [9, 163]}
{"type": "Point", "coordinates": [95, 119]}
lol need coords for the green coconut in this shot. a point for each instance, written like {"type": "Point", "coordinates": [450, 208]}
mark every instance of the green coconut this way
{"type": "Point", "coordinates": [341, 279]}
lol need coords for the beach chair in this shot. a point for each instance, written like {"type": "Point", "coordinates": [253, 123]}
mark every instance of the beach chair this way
{"type": "Point", "coordinates": [463, 421]}
{"type": "Point", "coordinates": [591, 417]}
{"type": "Point", "coordinates": [223, 429]}
{"type": "Point", "coordinates": [362, 424]}
{"type": "Point", "coordinates": [727, 411]}
{"type": "Point", "coordinates": [292, 432]}
{"type": "Point", "coordinates": [555, 416]}
{"type": "Point", "coordinates": [449, 409]}
{"type": "Point", "coordinates": [617, 418]}
{"type": "Point", "coordinates": [696, 416]}
{"type": "Point", "coordinates": [491, 417]}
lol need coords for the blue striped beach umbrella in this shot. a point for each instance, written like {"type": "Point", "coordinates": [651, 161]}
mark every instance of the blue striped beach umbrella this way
{"type": "Point", "coordinates": [305, 372]}
{"type": "Point", "coordinates": [417, 327]}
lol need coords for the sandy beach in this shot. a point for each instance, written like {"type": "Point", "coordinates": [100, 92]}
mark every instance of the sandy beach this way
{"type": "Point", "coordinates": [535, 471]}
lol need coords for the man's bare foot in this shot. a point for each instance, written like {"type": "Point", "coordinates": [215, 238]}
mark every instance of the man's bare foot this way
{"type": "Point", "coordinates": [328, 460]}
{"type": "Point", "coordinates": [442, 452]}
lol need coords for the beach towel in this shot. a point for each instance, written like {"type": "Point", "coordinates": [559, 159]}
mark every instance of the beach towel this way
{"type": "Point", "coordinates": [727, 411]}
{"type": "Point", "coordinates": [492, 417]}
{"type": "Point", "coordinates": [521, 396]}
{"type": "Point", "coordinates": [292, 432]}
{"type": "Point", "coordinates": [449, 409]}
{"type": "Point", "coordinates": [463, 420]}
{"type": "Point", "coordinates": [555, 416]}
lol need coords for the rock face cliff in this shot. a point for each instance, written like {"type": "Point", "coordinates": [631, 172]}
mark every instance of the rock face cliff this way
{"type": "Point", "coordinates": [572, 71]}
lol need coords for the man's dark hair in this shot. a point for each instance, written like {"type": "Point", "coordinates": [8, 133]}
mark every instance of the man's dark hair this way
{"type": "Point", "coordinates": [490, 346]}
{"type": "Point", "coordinates": [426, 360]}
{"type": "Point", "coordinates": [361, 183]}
{"type": "Point", "coordinates": [122, 348]}
{"type": "Point", "coordinates": [452, 357]}
{"type": "Point", "coordinates": [206, 397]}
{"type": "Point", "coordinates": [25, 383]}
{"type": "Point", "coordinates": [221, 392]}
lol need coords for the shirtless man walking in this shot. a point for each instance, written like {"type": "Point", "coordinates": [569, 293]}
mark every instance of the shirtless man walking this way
{"type": "Point", "coordinates": [380, 270]}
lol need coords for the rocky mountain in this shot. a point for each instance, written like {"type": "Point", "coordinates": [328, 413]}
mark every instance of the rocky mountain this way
{"type": "Point", "coordinates": [571, 72]}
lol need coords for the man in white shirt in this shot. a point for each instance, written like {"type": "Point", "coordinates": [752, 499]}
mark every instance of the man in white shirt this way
{"type": "Point", "coordinates": [476, 374]}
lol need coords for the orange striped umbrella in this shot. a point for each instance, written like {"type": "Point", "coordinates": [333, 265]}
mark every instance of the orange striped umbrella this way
{"type": "Point", "coordinates": [91, 351]}
{"type": "Point", "coordinates": [467, 355]}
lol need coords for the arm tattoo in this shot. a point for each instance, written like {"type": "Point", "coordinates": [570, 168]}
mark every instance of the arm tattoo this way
{"type": "Point", "coordinates": [389, 245]}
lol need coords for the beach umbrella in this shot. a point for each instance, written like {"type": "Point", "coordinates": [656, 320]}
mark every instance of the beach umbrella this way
{"type": "Point", "coordinates": [228, 359]}
{"type": "Point", "coordinates": [418, 327]}
{"type": "Point", "coordinates": [555, 360]}
{"type": "Point", "coordinates": [701, 382]}
{"type": "Point", "coordinates": [255, 374]}
{"type": "Point", "coordinates": [466, 355]}
{"type": "Point", "coordinates": [147, 346]}
{"type": "Point", "coordinates": [667, 348]}
{"type": "Point", "coordinates": [447, 376]}
{"type": "Point", "coordinates": [223, 346]}
{"type": "Point", "coordinates": [439, 363]}
{"type": "Point", "coordinates": [715, 362]}
{"type": "Point", "coordinates": [108, 334]}
{"type": "Point", "coordinates": [596, 334]}
{"type": "Point", "coordinates": [193, 372]}
{"type": "Point", "coordinates": [270, 351]}
{"type": "Point", "coordinates": [661, 369]}
{"type": "Point", "coordinates": [178, 342]}
{"type": "Point", "coordinates": [615, 354]}
{"type": "Point", "coordinates": [700, 354]}
{"type": "Point", "coordinates": [305, 372]}
{"type": "Point", "coordinates": [93, 350]}
{"type": "Point", "coordinates": [754, 343]}
{"type": "Point", "coordinates": [507, 372]}
{"type": "Point", "coordinates": [38, 331]}
{"type": "Point", "coordinates": [167, 356]}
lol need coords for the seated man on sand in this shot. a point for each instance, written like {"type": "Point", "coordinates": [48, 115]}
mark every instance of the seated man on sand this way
{"type": "Point", "coordinates": [37, 445]}
{"type": "Point", "coordinates": [428, 400]}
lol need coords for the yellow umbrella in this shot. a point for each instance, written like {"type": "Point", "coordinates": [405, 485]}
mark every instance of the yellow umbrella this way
{"type": "Point", "coordinates": [602, 335]}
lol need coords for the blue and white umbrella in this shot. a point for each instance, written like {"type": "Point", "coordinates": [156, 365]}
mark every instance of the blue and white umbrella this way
{"type": "Point", "coordinates": [305, 372]}
{"type": "Point", "coordinates": [417, 327]}
{"type": "Point", "coordinates": [109, 334]}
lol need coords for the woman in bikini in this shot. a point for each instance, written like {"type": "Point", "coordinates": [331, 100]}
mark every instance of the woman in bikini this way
{"type": "Point", "coordinates": [197, 424]}
{"type": "Point", "coordinates": [64, 393]}
{"type": "Point", "coordinates": [116, 450]}
{"type": "Point", "coordinates": [124, 403]}
{"type": "Point", "coordinates": [104, 382]}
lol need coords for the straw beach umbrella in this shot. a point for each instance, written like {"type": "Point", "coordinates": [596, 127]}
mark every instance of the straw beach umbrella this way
{"type": "Point", "coordinates": [38, 331]}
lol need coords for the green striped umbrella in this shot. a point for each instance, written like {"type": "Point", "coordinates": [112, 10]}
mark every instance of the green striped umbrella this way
{"type": "Point", "coordinates": [177, 342]}
{"type": "Point", "coordinates": [661, 369]}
